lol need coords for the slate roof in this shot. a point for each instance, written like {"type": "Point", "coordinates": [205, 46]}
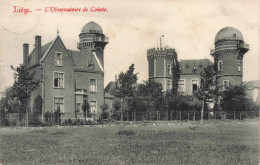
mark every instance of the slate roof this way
{"type": "Point", "coordinates": [44, 49]}
{"type": "Point", "coordinates": [188, 66]}
{"type": "Point", "coordinates": [111, 85]}
{"type": "Point", "coordinates": [77, 59]}
{"type": "Point", "coordinates": [252, 84]}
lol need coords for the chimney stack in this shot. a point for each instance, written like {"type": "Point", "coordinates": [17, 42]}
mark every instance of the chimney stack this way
{"type": "Point", "coordinates": [38, 46]}
{"type": "Point", "coordinates": [25, 53]}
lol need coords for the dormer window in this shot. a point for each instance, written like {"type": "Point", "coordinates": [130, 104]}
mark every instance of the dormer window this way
{"type": "Point", "coordinates": [58, 59]}
{"type": "Point", "coordinates": [187, 66]}
{"type": "Point", "coordinates": [234, 35]}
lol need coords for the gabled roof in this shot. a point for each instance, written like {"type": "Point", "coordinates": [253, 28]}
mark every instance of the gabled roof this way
{"type": "Point", "coordinates": [252, 84]}
{"type": "Point", "coordinates": [80, 62]}
{"type": "Point", "coordinates": [48, 48]}
{"type": "Point", "coordinates": [188, 66]}
{"type": "Point", "coordinates": [110, 86]}
{"type": "Point", "coordinates": [44, 51]}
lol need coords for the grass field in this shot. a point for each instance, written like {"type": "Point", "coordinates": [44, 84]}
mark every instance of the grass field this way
{"type": "Point", "coordinates": [183, 143]}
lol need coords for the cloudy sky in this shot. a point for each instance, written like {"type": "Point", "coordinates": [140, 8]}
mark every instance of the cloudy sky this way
{"type": "Point", "coordinates": [132, 27]}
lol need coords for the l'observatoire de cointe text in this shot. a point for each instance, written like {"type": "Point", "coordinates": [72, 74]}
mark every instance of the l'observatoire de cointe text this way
{"type": "Point", "coordinates": [54, 9]}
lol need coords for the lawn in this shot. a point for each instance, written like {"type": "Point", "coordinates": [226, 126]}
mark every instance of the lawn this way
{"type": "Point", "coordinates": [182, 143]}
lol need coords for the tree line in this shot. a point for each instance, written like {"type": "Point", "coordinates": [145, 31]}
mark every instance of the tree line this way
{"type": "Point", "coordinates": [144, 101]}
{"type": "Point", "coordinates": [147, 101]}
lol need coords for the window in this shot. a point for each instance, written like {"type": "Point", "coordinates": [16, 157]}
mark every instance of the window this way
{"type": "Point", "coordinates": [234, 35]}
{"type": "Point", "coordinates": [58, 59]}
{"type": "Point", "coordinates": [220, 65]}
{"type": "Point", "coordinates": [169, 69]}
{"type": "Point", "coordinates": [93, 85]}
{"type": "Point", "coordinates": [194, 69]}
{"type": "Point", "coordinates": [93, 107]}
{"type": "Point", "coordinates": [59, 104]}
{"type": "Point", "coordinates": [194, 85]}
{"type": "Point", "coordinates": [78, 107]}
{"type": "Point", "coordinates": [168, 86]}
{"type": "Point", "coordinates": [239, 65]}
{"type": "Point", "coordinates": [181, 86]}
{"type": "Point", "coordinates": [58, 80]}
{"type": "Point", "coordinates": [225, 84]}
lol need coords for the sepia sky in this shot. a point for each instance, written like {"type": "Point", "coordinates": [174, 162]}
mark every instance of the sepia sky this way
{"type": "Point", "coordinates": [132, 27]}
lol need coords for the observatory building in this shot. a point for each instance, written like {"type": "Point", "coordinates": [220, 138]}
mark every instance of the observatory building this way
{"type": "Point", "coordinates": [228, 57]}
{"type": "Point", "coordinates": [228, 63]}
{"type": "Point", "coordinates": [69, 78]}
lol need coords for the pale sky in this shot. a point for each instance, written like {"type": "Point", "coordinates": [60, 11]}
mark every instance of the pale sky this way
{"type": "Point", "coordinates": [132, 28]}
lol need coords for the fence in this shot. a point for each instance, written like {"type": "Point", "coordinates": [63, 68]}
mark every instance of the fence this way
{"type": "Point", "coordinates": [186, 115]}
{"type": "Point", "coordinates": [14, 119]}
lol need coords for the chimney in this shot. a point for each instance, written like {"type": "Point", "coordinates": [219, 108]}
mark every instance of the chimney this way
{"type": "Point", "coordinates": [25, 53]}
{"type": "Point", "coordinates": [38, 46]}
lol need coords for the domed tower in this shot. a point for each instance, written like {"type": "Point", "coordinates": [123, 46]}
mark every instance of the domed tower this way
{"type": "Point", "coordinates": [90, 67]}
{"type": "Point", "coordinates": [92, 39]}
{"type": "Point", "coordinates": [160, 62]}
{"type": "Point", "coordinates": [228, 57]}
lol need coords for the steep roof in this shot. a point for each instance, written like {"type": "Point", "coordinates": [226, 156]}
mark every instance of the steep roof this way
{"type": "Point", "coordinates": [252, 84]}
{"type": "Point", "coordinates": [44, 49]}
{"type": "Point", "coordinates": [110, 86]}
{"type": "Point", "coordinates": [188, 66]}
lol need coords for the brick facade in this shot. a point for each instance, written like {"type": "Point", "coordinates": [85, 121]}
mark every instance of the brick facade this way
{"type": "Point", "coordinates": [68, 77]}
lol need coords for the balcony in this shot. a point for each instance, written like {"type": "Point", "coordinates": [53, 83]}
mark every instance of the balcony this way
{"type": "Point", "coordinates": [99, 39]}
{"type": "Point", "coordinates": [81, 91]}
{"type": "Point", "coordinates": [244, 46]}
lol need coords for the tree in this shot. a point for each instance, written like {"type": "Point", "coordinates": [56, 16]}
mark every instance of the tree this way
{"type": "Point", "coordinates": [9, 104]}
{"type": "Point", "coordinates": [85, 107]}
{"type": "Point", "coordinates": [57, 115]}
{"type": "Point", "coordinates": [182, 105]}
{"type": "Point", "coordinates": [116, 107]}
{"type": "Point", "coordinates": [104, 114]}
{"type": "Point", "coordinates": [25, 83]}
{"type": "Point", "coordinates": [175, 74]}
{"type": "Point", "coordinates": [207, 89]}
{"type": "Point", "coordinates": [234, 100]}
{"type": "Point", "coordinates": [124, 88]}
{"type": "Point", "coordinates": [37, 109]}
{"type": "Point", "coordinates": [151, 93]}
